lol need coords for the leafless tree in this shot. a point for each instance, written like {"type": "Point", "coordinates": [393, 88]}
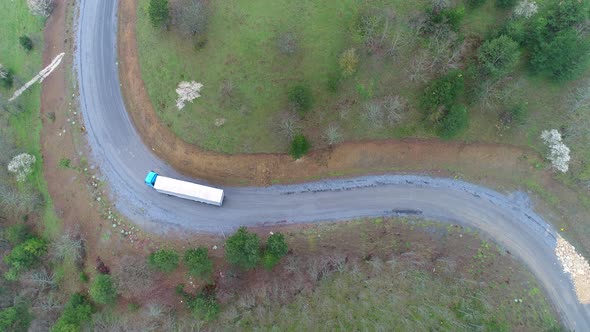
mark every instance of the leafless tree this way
{"type": "Point", "coordinates": [68, 246]}
{"type": "Point", "coordinates": [133, 276]}
{"type": "Point", "coordinates": [191, 17]}
{"type": "Point", "coordinates": [332, 134]}
{"type": "Point", "coordinates": [41, 7]}
{"type": "Point", "coordinates": [394, 108]}
{"type": "Point", "coordinates": [40, 279]}
{"type": "Point", "coordinates": [288, 125]}
{"type": "Point", "coordinates": [373, 114]}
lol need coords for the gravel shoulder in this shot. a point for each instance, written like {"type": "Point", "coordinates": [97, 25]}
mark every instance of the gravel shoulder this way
{"type": "Point", "coordinates": [124, 160]}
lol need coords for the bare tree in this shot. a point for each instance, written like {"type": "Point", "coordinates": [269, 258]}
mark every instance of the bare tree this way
{"type": "Point", "coordinates": [288, 125]}
{"type": "Point", "coordinates": [41, 7]}
{"type": "Point", "coordinates": [68, 246]}
{"type": "Point", "coordinates": [133, 276]}
{"type": "Point", "coordinates": [191, 17]}
{"type": "Point", "coordinates": [394, 108]}
{"type": "Point", "coordinates": [40, 279]}
{"type": "Point", "coordinates": [332, 134]}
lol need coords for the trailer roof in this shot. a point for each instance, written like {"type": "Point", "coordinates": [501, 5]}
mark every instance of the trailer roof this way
{"type": "Point", "coordinates": [189, 188]}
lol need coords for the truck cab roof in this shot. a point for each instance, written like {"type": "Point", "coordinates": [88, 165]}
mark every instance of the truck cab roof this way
{"type": "Point", "coordinates": [150, 178]}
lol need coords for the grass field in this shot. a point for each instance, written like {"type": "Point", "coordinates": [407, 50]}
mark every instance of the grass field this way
{"type": "Point", "coordinates": [25, 125]}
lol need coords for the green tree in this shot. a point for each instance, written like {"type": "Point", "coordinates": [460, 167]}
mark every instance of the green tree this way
{"type": "Point", "coordinates": [203, 306]}
{"type": "Point", "coordinates": [76, 312]}
{"type": "Point", "coordinates": [159, 12]}
{"type": "Point", "coordinates": [505, 3]}
{"type": "Point", "coordinates": [498, 56]}
{"type": "Point", "coordinates": [276, 248]}
{"type": "Point", "coordinates": [16, 318]}
{"type": "Point", "coordinates": [165, 260]}
{"type": "Point", "coordinates": [563, 57]}
{"type": "Point", "coordinates": [198, 262]}
{"type": "Point", "coordinates": [103, 289]}
{"type": "Point", "coordinates": [299, 146]}
{"type": "Point", "coordinates": [17, 234]}
{"type": "Point", "coordinates": [455, 122]}
{"type": "Point", "coordinates": [442, 91]}
{"type": "Point", "coordinates": [242, 249]}
{"type": "Point", "coordinates": [26, 42]}
{"type": "Point", "coordinates": [24, 256]}
{"type": "Point", "coordinates": [300, 96]}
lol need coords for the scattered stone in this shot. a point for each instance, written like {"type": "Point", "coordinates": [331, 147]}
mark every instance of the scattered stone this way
{"type": "Point", "coordinates": [214, 247]}
{"type": "Point", "coordinates": [219, 122]}
{"type": "Point", "coordinates": [114, 225]}
{"type": "Point", "coordinates": [576, 266]}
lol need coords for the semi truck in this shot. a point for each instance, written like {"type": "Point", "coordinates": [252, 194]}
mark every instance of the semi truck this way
{"type": "Point", "coordinates": [184, 189]}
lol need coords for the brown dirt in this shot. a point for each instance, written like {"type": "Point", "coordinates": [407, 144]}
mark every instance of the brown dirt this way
{"type": "Point", "coordinates": [265, 169]}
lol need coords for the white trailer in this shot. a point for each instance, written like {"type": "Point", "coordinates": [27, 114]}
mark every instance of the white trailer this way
{"type": "Point", "coordinates": [184, 189]}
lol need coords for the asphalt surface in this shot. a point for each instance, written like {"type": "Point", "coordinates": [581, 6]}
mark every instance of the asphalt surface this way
{"type": "Point", "coordinates": [124, 161]}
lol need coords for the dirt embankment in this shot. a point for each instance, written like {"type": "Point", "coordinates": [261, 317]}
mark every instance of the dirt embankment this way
{"type": "Point", "coordinates": [264, 169]}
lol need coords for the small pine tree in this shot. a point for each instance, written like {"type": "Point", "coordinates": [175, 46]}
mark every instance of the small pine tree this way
{"type": "Point", "coordinates": [26, 43]}
{"type": "Point", "coordinates": [276, 248]}
{"type": "Point", "coordinates": [455, 122]}
{"type": "Point", "coordinates": [165, 260]}
{"type": "Point", "coordinates": [103, 289]}
{"type": "Point", "coordinates": [299, 146]}
{"type": "Point", "coordinates": [198, 262]}
{"type": "Point", "coordinates": [300, 96]}
{"type": "Point", "coordinates": [243, 249]}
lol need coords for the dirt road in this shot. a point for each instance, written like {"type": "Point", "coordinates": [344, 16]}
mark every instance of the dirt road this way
{"type": "Point", "coordinates": [124, 160]}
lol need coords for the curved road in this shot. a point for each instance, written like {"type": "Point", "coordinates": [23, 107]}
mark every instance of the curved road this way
{"type": "Point", "coordinates": [124, 161]}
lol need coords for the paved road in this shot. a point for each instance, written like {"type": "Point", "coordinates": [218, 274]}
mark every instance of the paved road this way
{"type": "Point", "coordinates": [124, 160]}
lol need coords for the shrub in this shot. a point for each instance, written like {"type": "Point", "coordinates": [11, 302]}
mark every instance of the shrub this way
{"type": "Point", "coordinates": [243, 249]}
{"type": "Point", "coordinates": [498, 56]}
{"type": "Point", "coordinates": [24, 256]}
{"type": "Point", "coordinates": [103, 289]}
{"type": "Point", "coordinates": [516, 30]}
{"type": "Point", "coordinates": [83, 277]}
{"type": "Point", "coordinates": [563, 57]}
{"type": "Point", "coordinates": [17, 234]}
{"type": "Point", "coordinates": [287, 43]}
{"type": "Point", "coordinates": [442, 91]}
{"type": "Point", "coordinates": [475, 3]}
{"type": "Point", "coordinates": [165, 260]}
{"type": "Point", "coordinates": [333, 81]}
{"type": "Point", "coordinates": [348, 62]}
{"type": "Point", "coordinates": [76, 312]}
{"type": "Point", "coordinates": [158, 12]}
{"type": "Point", "coordinates": [26, 42]}
{"type": "Point", "coordinates": [6, 77]}
{"type": "Point", "coordinates": [454, 122]}
{"type": "Point", "coordinates": [16, 318]}
{"type": "Point", "coordinates": [505, 3]}
{"type": "Point", "coordinates": [198, 262]}
{"type": "Point", "coordinates": [451, 16]}
{"type": "Point", "coordinates": [301, 98]}
{"type": "Point", "coordinates": [275, 249]}
{"type": "Point", "coordinates": [299, 146]}
{"type": "Point", "coordinates": [203, 306]}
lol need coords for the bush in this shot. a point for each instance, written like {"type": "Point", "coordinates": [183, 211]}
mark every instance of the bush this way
{"type": "Point", "coordinates": [348, 62]}
{"type": "Point", "coordinates": [454, 122]}
{"type": "Point", "coordinates": [198, 262]}
{"type": "Point", "coordinates": [276, 248]}
{"type": "Point", "coordinates": [475, 3]}
{"type": "Point", "coordinates": [505, 3]}
{"type": "Point", "coordinates": [6, 77]}
{"type": "Point", "coordinates": [243, 249]}
{"type": "Point", "coordinates": [498, 56]}
{"type": "Point", "coordinates": [299, 146]}
{"type": "Point", "coordinates": [83, 277]}
{"type": "Point", "coordinates": [16, 318]}
{"type": "Point", "coordinates": [203, 306]}
{"type": "Point", "coordinates": [443, 91]}
{"type": "Point", "coordinates": [300, 96]}
{"type": "Point", "coordinates": [158, 12]}
{"type": "Point", "coordinates": [24, 256]}
{"type": "Point", "coordinates": [516, 30]}
{"type": "Point", "coordinates": [76, 312]}
{"type": "Point", "coordinates": [103, 289]}
{"type": "Point", "coordinates": [17, 234]}
{"type": "Point", "coordinates": [563, 57]}
{"type": "Point", "coordinates": [26, 42]}
{"type": "Point", "coordinates": [451, 16]}
{"type": "Point", "coordinates": [165, 260]}
{"type": "Point", "coordinates": [333, 82]}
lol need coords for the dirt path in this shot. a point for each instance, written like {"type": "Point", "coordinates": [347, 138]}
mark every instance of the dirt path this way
{"type": "Point", "coordinates": [263, 169]}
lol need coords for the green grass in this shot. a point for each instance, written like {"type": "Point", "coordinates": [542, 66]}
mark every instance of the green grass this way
{"type": "Point", "coordinates": [242, 48]}
{"type": "Point", "coordinates": [26, 125]}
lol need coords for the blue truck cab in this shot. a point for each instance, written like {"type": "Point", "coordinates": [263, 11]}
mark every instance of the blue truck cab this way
{"type": "Point", "coordinates": [150, 178]}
